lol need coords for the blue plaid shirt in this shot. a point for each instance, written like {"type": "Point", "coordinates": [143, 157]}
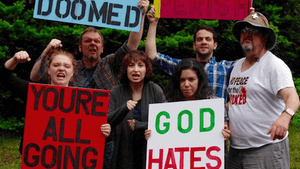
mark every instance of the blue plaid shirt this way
{"type": "Point", "coordinates": [218, 72]}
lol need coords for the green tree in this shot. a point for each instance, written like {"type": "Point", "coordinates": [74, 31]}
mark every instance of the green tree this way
{"type": "Point", "coordinates": [20, 31]}
{"type": "Point", "coordinates": [175, 36]}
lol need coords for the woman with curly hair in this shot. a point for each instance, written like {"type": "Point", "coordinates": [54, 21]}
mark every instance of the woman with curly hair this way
{"type": "Point", "coordinates": [61, 66]}
{"type": "Point", "coordinates": [128, 111]}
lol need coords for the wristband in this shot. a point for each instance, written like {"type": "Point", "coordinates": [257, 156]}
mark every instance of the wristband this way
{"type": "Point", "coordinates": [290, 112]}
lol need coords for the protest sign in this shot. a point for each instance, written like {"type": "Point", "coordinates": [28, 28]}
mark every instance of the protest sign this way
{"type": "Point", "coordinates": [62, 127]}
{"type": "Point", "coordinates": [186, 135]}
{"type": "Point", "coordinates": [203, 9]}
{"type": "Point", "coordinates": [117, 14]}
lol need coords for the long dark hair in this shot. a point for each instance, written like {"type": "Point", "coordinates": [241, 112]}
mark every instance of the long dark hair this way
{"type": "Point", "coordinates": [173, 92]}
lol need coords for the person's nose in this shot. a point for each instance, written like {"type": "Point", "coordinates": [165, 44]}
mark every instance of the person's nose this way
{"type": "Point", "coordinates": [204, 41]}
{"type": "Point", "coordinates": [93, 42]}
{"type": "Point", "coordinates": [135, 68]}
{"type": "Point", "coordinates": [61, 68]}
{"type": "Point", "coordinates": [186, 83]}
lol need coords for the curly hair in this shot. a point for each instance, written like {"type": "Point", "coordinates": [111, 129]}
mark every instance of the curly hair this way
{"type": "Point", "coordinates": [173, 92]}
{"type": "Point", "coordinates": [134, 56]}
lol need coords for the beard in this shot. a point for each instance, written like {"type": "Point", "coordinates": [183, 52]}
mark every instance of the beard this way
{"type": "Point", "coordinates": [247, 48]}
{"type": "Point", "coordinates": [251, 56]}
{"type": "Point", "coordinates": [204, 56]}
{"type": "Point", "coordinates": [91, 58]}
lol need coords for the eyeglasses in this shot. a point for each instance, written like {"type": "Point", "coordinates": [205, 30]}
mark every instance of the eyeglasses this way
{"type": "Point", "coordinates": [251, 30]}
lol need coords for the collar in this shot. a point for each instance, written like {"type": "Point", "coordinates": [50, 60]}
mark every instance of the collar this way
{"type": "Point", "coordinates": [212, 60]}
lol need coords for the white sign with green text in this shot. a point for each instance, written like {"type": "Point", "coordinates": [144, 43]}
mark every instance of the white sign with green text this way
{"type": "Point", "coordinates": [186, 135]}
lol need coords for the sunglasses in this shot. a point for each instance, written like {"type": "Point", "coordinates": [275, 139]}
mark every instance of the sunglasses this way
{"type": "Point", "coordinates": [251, 30]}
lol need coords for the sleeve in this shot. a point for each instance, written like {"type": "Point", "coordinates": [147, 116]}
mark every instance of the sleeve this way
{"type": "Point", "coordinates": [229, 67]}
{"type": "Point", "coordinates": [159, 97]}
{"type": "Point", "coordinates": [118, 57]}
{"type": "Point", "coordinates": [162, 97]}
{"type": "Point", "coordinates": [281, 76]}
{"type": "Point", "coordinates": [13, 83]}
{"type": "Point", "coordinates": [42, 71]}
{"type": "Point", "coordinates": [116, 115]}
{"type": "Point", "coordinates": [226, 118]}
{"type": "Point", "coordinates": [140, 125]}
{"type": "Point", "coordinates": [159, 94]}
{"type": "Point", "coordinates": [165, 62]}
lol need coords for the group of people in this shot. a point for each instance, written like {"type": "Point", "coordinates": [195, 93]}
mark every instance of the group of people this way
{"type": "Point", "coordinates": [262, 96]}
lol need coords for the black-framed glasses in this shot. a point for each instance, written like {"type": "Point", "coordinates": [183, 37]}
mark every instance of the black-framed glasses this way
{"type": "Point", "coordinates": [251, 30]}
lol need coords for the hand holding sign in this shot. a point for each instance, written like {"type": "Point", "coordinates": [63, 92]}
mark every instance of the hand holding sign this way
{"type": "Point", "coordinates": [151, 15]}
{"type": "Point", "coordinates": [222, 9]}
{"type": "Point", "coordinates": [186, 134]}
{"type": "Point", "coordinates": [147, 134]}
{"type": "Point", "coordinates": [226, 132]}
{"type": "Point", "coordinates": [143, 4]}
{"type": "Point", "coordinates": [131, 124]}
{"type": "Point", "coordinates": [116, 14]}
{"type": "Point", "coordinates": [105, 129]}
{"type": "Point", "coordinates": [66, 119]}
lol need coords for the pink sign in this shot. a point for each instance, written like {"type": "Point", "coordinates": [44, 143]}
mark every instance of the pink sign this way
{"type": "Point", "coordinates": [205, 9]}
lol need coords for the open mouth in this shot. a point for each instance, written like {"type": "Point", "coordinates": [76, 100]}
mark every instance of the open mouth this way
{"type": "Point", "coordinates": [135, 76]}
{"type": "Point", "coordinates": [93, 51]}
{"type": "Point", "coordinates": [60, 75]}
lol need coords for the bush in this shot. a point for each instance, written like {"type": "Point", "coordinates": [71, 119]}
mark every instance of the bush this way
{"type": "Point", "coordinates": [12, 123]}
{"type": "Point", "coordinates": [296, 120]}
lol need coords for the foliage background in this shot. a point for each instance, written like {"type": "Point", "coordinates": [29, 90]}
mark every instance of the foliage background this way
{"type": "Point", "coordinates": [20, 31]}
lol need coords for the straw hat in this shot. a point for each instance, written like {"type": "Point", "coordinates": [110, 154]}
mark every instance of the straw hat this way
{"type": "Point", "coordinates": [257, 20]}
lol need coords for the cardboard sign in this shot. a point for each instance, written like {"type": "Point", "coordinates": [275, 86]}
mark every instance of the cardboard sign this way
{"type": "Point", "coordinates": [203, 9]}
{"type": "Point", "coordinates": [117, 14]}
{"type": "Point", "coordinates": [62, 127]}
{"type": "Point", "coordinates": [186, 135]}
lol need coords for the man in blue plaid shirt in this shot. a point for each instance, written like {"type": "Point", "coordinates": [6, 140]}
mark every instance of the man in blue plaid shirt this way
{"type": "Point", "coordinates": [204, 45]}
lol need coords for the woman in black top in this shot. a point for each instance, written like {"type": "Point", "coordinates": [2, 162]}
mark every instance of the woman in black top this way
{"type": "Point", "coordinates": [189, 81]}
{"type": "Point", "coordinates": [61, 67]}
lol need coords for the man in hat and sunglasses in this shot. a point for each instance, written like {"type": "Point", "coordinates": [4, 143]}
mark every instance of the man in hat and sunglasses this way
{"type": "Point", "coordinates": [263, 99]}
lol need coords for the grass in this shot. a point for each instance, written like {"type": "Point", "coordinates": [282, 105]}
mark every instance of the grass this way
{"type": "Point", "coordinates": [294, 137]}
{"type": "Point", "coordinates": [10, 157]}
